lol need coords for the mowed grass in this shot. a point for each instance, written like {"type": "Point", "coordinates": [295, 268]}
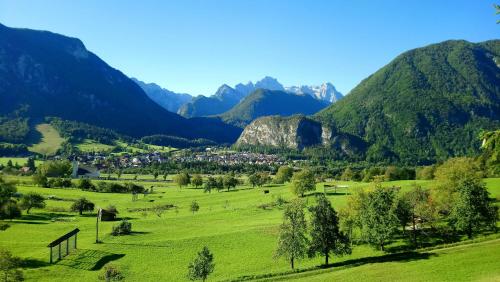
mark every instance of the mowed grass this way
{"type": "Point", "coordinates": [241, 235]}
{"type": "Point", "coordinates": [50, 142]}
{"type": "Point", "coordinates": [474, 262]}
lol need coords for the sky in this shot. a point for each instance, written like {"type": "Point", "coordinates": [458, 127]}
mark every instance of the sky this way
{"type": "Point", "coordinates": [194, 46]}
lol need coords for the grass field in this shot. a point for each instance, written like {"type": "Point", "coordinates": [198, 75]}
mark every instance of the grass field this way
{"type": "Point", "coordinates": [50, 142]}
{"type": "Point", "coordinates": [241, 235]}
{"type": "Point", "coordinates": [19, 161]}
{"type": "Point", "coordinates": [93, 146]}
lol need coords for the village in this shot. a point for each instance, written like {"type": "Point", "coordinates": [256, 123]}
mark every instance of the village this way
{"type": "Point", "coordinates": [139, 160]}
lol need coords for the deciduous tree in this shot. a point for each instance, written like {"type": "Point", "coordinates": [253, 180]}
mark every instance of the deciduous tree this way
{"type": "Point", "coordinates": [326, 237]}
{"type": "Point", "coordinates": [202, 266]}
{"type": "Point", "coordinates": [292, 240]}
{"type": "Point", "coordinates": [32, 200]}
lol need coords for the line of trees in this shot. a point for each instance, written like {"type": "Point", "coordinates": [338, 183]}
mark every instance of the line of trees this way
{"type": "Point", "coordinates": [458, 204]}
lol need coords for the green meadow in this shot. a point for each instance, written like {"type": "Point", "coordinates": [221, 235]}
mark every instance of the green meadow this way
{"type": "Point", "coordinates": [50, 140]}
{"type": "Point", "coordinates": [241, 234]}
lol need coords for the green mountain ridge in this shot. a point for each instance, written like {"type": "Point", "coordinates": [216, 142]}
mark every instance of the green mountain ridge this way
{"type": "Point", "coordinates": [44, 74]}
{"type": "Point", "coordinates": [428, 104]}
{"type": "Point", "coordinates": [263, 102]}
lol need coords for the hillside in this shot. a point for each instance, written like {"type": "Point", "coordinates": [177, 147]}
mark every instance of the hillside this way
{"type": "Point", "coordinates": [47, 74]}
{"type": "Point", "coordinates": [427, 104]}
{"type": "Point", "coordinates": [267, 102]}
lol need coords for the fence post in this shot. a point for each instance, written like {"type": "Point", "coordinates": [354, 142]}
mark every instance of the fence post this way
{"type": "Point", "coordinates": [67, 247]}
{"type": "Point", "coordinates": [59, 250]}
{"type": "Point", "coordinates": [50, 254]}
{"type": "Point", "coordinates": [76, 236]}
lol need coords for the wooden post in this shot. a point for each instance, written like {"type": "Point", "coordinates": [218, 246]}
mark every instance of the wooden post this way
{"type": "Point", "coordinates": [59, 250]}
{"type": "Point", "coordinates": [67, 247]}
{"type": "Point", "coordinates": [75, 239]}
{"type": "Point", "coordinates": [50, 255]}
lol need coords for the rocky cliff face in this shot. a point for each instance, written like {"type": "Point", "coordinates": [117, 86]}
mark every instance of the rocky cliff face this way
{"type": "Point", "coordinates": [294, 132]}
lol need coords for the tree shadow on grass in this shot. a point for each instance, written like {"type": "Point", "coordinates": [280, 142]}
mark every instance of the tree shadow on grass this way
{"type": "Point", "coordinates": [33, 263]}
{"type": "Point", "coordinates": [400, 257]}
{"type": "Point", "coordinates": [397, 257]}
{"type": "Point", "coordinates": [44, 216]}
{"type": "Point", "coordinates": [89, 259]}
{"type": "Point", "coordinates": [26, 222]}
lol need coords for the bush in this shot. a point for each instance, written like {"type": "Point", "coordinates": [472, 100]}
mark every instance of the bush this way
{"type": "Point", "coordinates": [86, 184]}
{"type": "Point", "coordinates": [123, 228]}
{"type": "Point", "coordinates": [111, 272]}
{"type": "Point", "coordinates": [10, 210]}
{"type": "Point", "coordinates": [60, 183]}
{"type": "Point", "coordinates": [113, 187]}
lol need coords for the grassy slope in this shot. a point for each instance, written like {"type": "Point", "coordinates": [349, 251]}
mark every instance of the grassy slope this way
{"type": "Point", "coordinates": [474, 262]}
{"type": "Point", "coordinates": [51, 140]}
{"type": "Point", "coordinates": [241, 235]}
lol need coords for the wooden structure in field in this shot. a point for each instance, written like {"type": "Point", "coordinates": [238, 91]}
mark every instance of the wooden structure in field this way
{"type": "Point", "coordinates": [63, 245]}
{"type": "Point", "coordinates": [329, 188]}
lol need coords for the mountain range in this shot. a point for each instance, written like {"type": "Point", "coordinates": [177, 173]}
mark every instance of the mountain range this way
{"type": "Point", "coordinates": [43, 74]}
{"type": "Point", "coordinates": [169, 100]}
{"type": "Point", "coordinates": [228, 97]}
{"type": "Point", "coordinates": [428, 104]}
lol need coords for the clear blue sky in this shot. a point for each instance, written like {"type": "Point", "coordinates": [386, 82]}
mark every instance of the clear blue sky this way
{"type": "Point", "coordinates": [195, 46]}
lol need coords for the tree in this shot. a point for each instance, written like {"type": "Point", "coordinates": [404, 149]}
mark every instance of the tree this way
{"type": "Point", "coordinates": [182, 179]}
{"type": "Point", "coordinates": [497, 8]}
{"type": "Point", "coordinates": [32, 200]}
{"type": "Point", "coordinates": [165, 175]}
{"type": "Point", "coordinates": [210, 184]}
{"type": "Point", "coordinates": [473, 208]}
{"type": "Point", "coordinates": [197, 181]}
{"type": "Point", "coordinates": [119, 173]}
{"type": "Point", "coordinates": [194, 207]}
{"type": "Point", "coordinates": [419, 209]}
{"type": "Point", "coordinates": [378, 218]}
{"type": "Point", "coordinates": [326, 237]}
{"type": "Point", "coordinates": [30, 163]}
{"type": "Point", "coordinates": [283, 175]}
{"type": "Point", "coordinates": [57, 168]}
{"type": "Point", "coordinates": [253, 179]}
{"type": "Point", "coordinates": [302, 182]}
{"type": "Point", "coordinates": [10, 210]}
{"type": "Point", "coordinates": [40, 180]}
{"type": "Point", "coordinates": [155, 175]}
{"type": "Point", "coordinates": [202, 266]}
{"type": "Point", "coordinates": [451, 172]}
{"type": "Point", "coordinates": [9, 163]}
{"type": "Point", "coordinates": [220, 183]}
{"type": "Point", "coordinates": [292, 240]}
{"type": "Point", "coordinates": [82, 205]}
{"type": "Point", "coordinates": [7, 191]}
{"type": "Point", "coordinates": [9, 266]}
{"type": "Point", "coordinates": [347, 175]}
{"type": "Point", "coordinates": [229, 181]}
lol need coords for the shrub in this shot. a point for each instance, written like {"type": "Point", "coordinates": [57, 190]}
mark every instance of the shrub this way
{"type": "Point", "coordinates": [60, 183]}
{"type": "Point", "coordinates": [111, 272]}
{"type": "Point", "coordinates": [86, 184]}
{"type": "Point", "coordinates": [123, 228]}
